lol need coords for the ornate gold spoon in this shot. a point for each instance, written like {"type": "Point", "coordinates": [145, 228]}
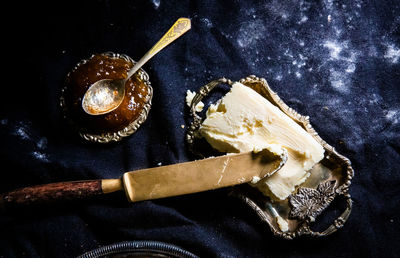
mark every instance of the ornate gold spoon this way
{"type": "Point", "coordinates": [106, 95]}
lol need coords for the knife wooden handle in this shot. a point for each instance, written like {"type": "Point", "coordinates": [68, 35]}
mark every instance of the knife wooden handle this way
{"type": "Point", "coordinates": [58, 192]}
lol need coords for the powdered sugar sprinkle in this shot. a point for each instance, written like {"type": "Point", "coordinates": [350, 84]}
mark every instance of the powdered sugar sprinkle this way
{"type": "Point", "coordinates": [392, 53]}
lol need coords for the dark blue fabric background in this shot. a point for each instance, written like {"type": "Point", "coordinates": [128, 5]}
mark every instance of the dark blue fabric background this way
{"type": "Point", "coordinates": [336, 61]}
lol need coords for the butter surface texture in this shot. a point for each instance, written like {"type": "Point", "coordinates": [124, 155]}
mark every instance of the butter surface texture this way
{"type": "Point", "coordinates": [243, 120]}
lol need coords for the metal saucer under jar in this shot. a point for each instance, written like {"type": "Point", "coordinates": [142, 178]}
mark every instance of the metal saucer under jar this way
{"type": "Point", "coordinates": [112, 136]}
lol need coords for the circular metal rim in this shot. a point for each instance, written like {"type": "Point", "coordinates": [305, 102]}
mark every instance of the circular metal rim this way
{"type": "Point", "coordinates": [129, 129]}
{"type": "Point", "coordinates": [154, 247]}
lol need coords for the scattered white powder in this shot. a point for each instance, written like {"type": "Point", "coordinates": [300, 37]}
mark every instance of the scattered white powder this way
{"type": "Point", "coordinates": [338, 31]}
{"type": "Point", "coordinates": [207, 22]}
{"type": "Point", "coordinates": [40, 156]}
{"type": "Point", "coordinates": [42, 143]}
{"type": "Point", "coordinates": [392, 53]}
{"type": "Point", "coordinates": [278, 77]}
{"type": "Point", "coordinates": [249, 11]}
{"type": "Point", "coordinates": [22, 132]}
{"type": "Point", "coordinates": [338, 80]}
{"type": "Point", "coordinates": [288, 53]}
{"type": "Point", "coordinates": [334, 102]}
{"type": "Point", "coordinates": [226, 35]}
{"type": "Point", "coordinates": [250, 33]}
{"type": "Point", "coordinates": [375, 98]}
{"type": "Point", "coordinates": [334, 48]}
{"type": "Point", "coordinates": [338, 84]}
{"type": "Point", "coordinates": [372, 51]}
{"type": "Point", "coordinates": [303, 20]}
{"type": "Point", "coordinates": [344, 59]}
{"type": "Point", "coordinates": [302, 57]}
{"type": "Point", "coordinates": [156, 3]}
{"type": "Point", "coordinates": [393, 115]}
{"type": "Point", "coordinates": [351, 68]}
{"type": "Point", "coordinates": [328, 4]}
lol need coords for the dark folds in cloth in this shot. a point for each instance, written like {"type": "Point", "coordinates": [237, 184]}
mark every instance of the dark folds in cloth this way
{"type": "Point", "coordinates": [336, 61]}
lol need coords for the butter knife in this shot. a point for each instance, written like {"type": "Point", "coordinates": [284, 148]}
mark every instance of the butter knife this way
{"type": "Point", "coordinates": [158, 182]}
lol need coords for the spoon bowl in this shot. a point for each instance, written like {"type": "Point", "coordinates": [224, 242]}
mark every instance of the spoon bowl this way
{"type": "Point", "coordinates": [106, 95]}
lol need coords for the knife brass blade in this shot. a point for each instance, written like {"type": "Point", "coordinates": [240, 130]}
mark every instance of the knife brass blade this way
{"type": "Point", "coordinates": [200, 175]}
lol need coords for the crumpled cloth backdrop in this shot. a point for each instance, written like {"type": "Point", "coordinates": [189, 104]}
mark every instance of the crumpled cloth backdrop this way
{"type": "Point", "coordinates": [336, 61]}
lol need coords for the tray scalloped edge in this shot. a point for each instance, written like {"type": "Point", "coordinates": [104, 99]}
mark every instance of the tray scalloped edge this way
{"type": "Point", "coordinates": [306, 203]}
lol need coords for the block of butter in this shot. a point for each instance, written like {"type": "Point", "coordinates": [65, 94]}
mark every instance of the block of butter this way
{"type": "Point", "coordinates": [243, 120]}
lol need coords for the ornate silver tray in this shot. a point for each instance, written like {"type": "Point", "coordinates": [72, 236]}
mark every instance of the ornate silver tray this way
{"type": "Point", "coordinates": [329, 179]}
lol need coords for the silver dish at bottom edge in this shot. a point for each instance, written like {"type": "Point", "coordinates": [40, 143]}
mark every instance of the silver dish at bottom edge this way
{"type": "Point", "coordinates": [139, 249]}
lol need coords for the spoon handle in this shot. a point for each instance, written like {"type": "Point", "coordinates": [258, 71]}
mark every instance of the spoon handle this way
{"type": "Point", "coordinates": [181, 26]}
